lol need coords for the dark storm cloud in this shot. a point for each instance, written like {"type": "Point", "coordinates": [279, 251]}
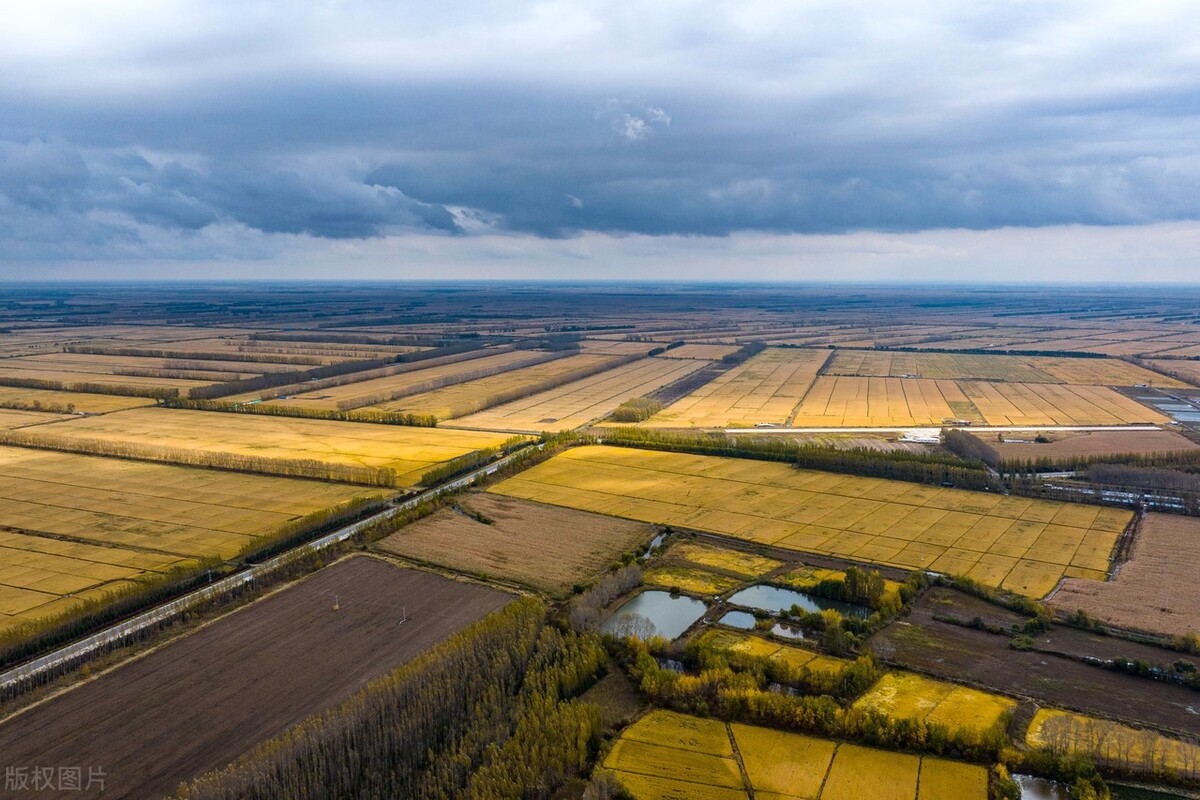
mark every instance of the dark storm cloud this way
{"type": "Point", "coordinates": [366, 120]}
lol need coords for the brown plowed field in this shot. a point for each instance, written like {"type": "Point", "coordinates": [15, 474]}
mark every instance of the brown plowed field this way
{"type": "Point", "coordinates": [544, 546]}
{"type": "Point", "coordinates": [200, 702]}
{"type": "Point", "coordinates": [1156, 590]}
{"type": "Point", "coordinates": [1093, 443]}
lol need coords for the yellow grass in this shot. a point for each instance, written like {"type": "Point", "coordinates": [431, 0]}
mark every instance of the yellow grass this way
{"type": "Point", "coordinates": [644, 758]}
{"type": "Point", "coordinates": [582, 401]}
{"type": "Point", "coordinates": [951, 780]}
{"type": "Point", "coordinates": [82, 401]}
{"type": "Point", "coordinates": [860, 773]}
{"type": "Point", "coordinates": [888, 402]}
{"type": "Point", "coordinates": [783, 763]}
{"type": "Point", "coordinates": [646, 787]}
{"type": "Point", "coordinates": [10, 419]}
{"type": "Point", "coordinates": [691, 581]}
{"type": "Point", "coordinates": [682, 731]}
{"type": "Point", "coordinates": [408, 452]}
{"type": "Point", "coordinates": [446, 403]}
{"type": "Point", "coordinates": [791, 655]}
{"type": "Point", "coordinates": [903, 695]}
{"type": "Point", "coordinates": [1016, 543]}
{"type": "Point", "coordinates": [748, 565]}
{"type": "Point", "coordinates": [136, 518]}
{"type": "Point", "coordinates": [765, 388]}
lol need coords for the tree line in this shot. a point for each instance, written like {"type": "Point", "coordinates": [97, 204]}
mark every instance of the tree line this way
{"type": "Point", "coordinates": [234, 462]}
{"type": "Point", "coordinates": [465, 463]}
{"type": "Point", "coordinates": [123, 390]}
{"type": "Point", "coordinates": [492, 712]}
{"type": "Point", "coordinates": [361, 415]}
{"type": "Point", "coordinates": [158, 352]}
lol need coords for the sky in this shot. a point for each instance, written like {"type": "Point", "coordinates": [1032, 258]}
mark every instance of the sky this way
{"type": "Point", "coordinates": [982, 141]}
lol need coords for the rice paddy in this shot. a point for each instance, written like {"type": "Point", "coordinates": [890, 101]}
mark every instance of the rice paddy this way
{"type": "Point", "coordinates": [904, 695]}
{"type": "Point", "coordinates": [1019, 544]}
{"type": "Point", "coordinates": [764, 389]}
{"type": "Point", "coordinates": [666, 755]}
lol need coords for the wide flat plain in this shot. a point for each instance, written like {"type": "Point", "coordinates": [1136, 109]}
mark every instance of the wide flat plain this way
{"type": "Point", "coordinates": [408, 452]}
{"type": "Point", "coordinates": [201, 701]}
{"type": "Point", "coordinates": [1019, 544]}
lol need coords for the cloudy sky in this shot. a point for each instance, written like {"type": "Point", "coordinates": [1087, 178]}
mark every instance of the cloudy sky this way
{"type": "Point", "coordinates": [576, 139]}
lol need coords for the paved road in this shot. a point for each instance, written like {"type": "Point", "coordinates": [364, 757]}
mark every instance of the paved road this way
{"type": "Point", "coordinates": [122, 630]}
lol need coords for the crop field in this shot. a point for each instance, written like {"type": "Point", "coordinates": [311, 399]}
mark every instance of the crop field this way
{"type": "Point", "coordinates": [706, 352]}
{"type": "Point", "coordinates": [466, 398]}
{"type": "Point", "coordinates": [669, 756]}
{"type": "Point", "coordinates": [792, 655]}
{"type": "Point", "coordinates": [114, 365]}
{"type": "Point", "coordinates": [1190, 370]}
{"type": "Point", "coordinates": [579, 402]}
{"type": "Point", "coordinates": [297, 354]}
{"type": "Point", "coordinates": [689, 580]}
{"type": "Point", "coordinates": [407, 452]}
{"type": "Point", "coordinates": [904, 695]}
{"type": "Point", "coordinates": [764, 388]}
{"type": "Point", "coordinates": [51, 400]}
{"type": "Point", "coordinates": [1006, 368]}
{"type": "Point", "coordinates": [883, 402]}
{"type": "Point", "coordinates": [11, 419]}
{"type": "Point", "coordinates": [245, 678]}
{"type": "Point", "coordinates": [78, 526]}
{"type": "Point", "coordinates": [71, 378]}
{"type": "Point", "coordinates": [385, 386]}
{"type": "Point", "coordinates": [544, 546]}
{"type": "Point", "coordinates": [1112, 743]}
{"type": "Point", "coordinates": [1019, 544]}
{"type": "Point", "coordinates": [1146, 593]}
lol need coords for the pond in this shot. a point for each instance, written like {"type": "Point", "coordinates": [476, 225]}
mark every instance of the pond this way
{"type": "Point", "coordinates": [1041, 789]}
{"type": "Point", "coordinates": [739, 619]}
{"type": "Point", "coordinates": [654, 613]}
{"type": "Point", "coordinates": [776, 599]}
{"type": "Point", "coordinates": [787, 631]}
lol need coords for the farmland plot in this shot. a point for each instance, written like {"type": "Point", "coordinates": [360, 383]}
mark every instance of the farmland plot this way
{"type": "Point", "coordinates": [764, 389]}
{"type": "Point", "coordinates": [406, 452]}
{"type": "Point", "coordinates": [58, 401]}
{"type": "Point", "coordinates": [1019, 544]}
{"type": "Point", "coordinates": [903, 695]}
{"type": "Point", "coordinates": [579, 402]}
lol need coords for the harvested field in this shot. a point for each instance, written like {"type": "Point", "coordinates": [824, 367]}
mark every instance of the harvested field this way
{"type": "Point", "coordinates": [968, 655]}
{"type": "Point", "coordinates": [544, 546]}
{"type": "Point", "coordinates": [1152, 591]}
{"type": "Point", "coordinates": [765, 388]}
{"type": "Point", "coordinates": [245, 678]}
{"type": "Point", "coordinates": [51, 400]}
{"type": "Point", "coordinates": [579, 402]}
{"type": "Point", "coordinates": [893, 402]}
{"type": "Point", "coordinates": [467, 398]}
{"type": "Point", "coordinates": [1089, 443]}
{"type": "Point", "coordinates": [1186, 369]}
{"type": "Point", "coordinates": [67, 378]}
{"type": "Point", "coordinates": [1006, 368]}
{"type": "Point", "coordinates": [669, 756]}
{"type": "Point", "coordinates": [113, 365]}
{"type": "Point", "coordinates": [11, 419]}
{"type": "Point", "coordinates": [706, 352]}
{"type": "Point", "coordinates": [365, 392]}
{"type": "Point", "coordinates": [904, 695]}
{"type": "Point", "coordinates": [1019, 544]}
{"type": "Point", "coordinates": [406, 452]}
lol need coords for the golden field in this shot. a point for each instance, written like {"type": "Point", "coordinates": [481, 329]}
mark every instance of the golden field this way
{"type": "Point", "coordinates": [745, 565]}
{"type": "Point", "coordinates": [905, 695]}
{"type": "Point", "coordinates": [1019, 544]}
{"type": "Point", "coordinates": [1007, 368]}
{"type": "Point", "coordinates": [791, 655]}
{"type": "Point", "coordinates": [80, 525]}
{"type": "Point", "coordinates": [669, 756]}
{"type": "Point", "coordinates": [10, 418]}
{"type": "Point", "coordinates": [407, 452]}
{"type": "Point", "coordinates": [898, 402]}
{"type": "Point", "coordinates": [466, 398]}
{"type": "Point", "coordinates": [764, 388]}
{"type": "Point", "coordinates": [579, 402]}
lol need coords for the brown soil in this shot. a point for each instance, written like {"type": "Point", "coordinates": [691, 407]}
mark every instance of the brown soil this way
{"type": "Point", "coordinates": [983, 659]}
{"type": "Point", "coordinates": [200, 702]}
{"type": "Point", "coordinates": [543, 546]}
{"type": "Point", "coordinates": [1092, 443]}
{"type": "Point", "coordinates": [1155, 590]}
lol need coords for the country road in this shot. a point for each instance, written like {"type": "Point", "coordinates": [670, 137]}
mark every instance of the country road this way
{"type": "Point", "coordinates": [122, 630]}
